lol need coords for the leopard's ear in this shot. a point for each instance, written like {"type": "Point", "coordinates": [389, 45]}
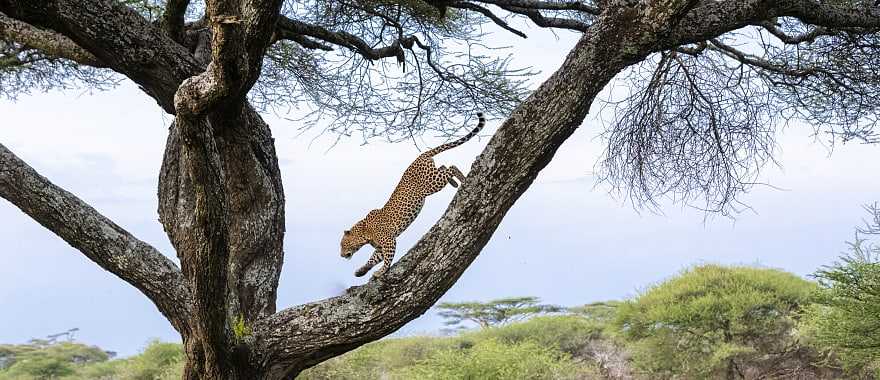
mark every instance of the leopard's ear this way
{"type": "Point", "coordinates": [347, 232]}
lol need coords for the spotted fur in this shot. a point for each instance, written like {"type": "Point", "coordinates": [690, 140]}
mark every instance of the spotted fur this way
{"type": "Point", "coordinates": [381, 227]}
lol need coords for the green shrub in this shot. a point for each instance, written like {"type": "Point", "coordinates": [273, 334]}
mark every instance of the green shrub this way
{"type": "Point", "coordinates": [539, 348]}
{"type": "Point", "coordinates": [153, 362]}
{"type": "Point", "coordinates": [376, 360]}
{"type": "Point", "coordinates": [566, 333]}
{"type": "Point", "coordinates": [713, 321]}
{"type": "Point", "coordinates": [493, 360]}
{"type": "Point", "coordinates": [40, 360]}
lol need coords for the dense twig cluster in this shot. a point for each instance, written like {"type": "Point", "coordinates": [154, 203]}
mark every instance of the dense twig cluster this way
{"type": "Point", "coordinates": [328, 58]}
{"type": "Point", "coordinates": [24, 69]}
{"type": "Point", "coordinates": [700, 120]}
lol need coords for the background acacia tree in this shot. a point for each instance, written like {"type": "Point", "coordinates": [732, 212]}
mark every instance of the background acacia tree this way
{"type": "Point", "coordinates": [494, 312]}
{"type": "Point", "coordinates": [717, 77]}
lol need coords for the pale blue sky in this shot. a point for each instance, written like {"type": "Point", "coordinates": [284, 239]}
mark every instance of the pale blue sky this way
{"type": "Point", "coordinates": [564, 241]}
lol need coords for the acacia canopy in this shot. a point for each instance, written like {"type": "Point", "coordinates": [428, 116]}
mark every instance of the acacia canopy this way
{"type": "Point", "coordinates": [710, 82]}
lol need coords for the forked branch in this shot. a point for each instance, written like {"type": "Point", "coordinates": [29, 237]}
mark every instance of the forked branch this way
{"type": "Point", "coordinates": [97, 237]}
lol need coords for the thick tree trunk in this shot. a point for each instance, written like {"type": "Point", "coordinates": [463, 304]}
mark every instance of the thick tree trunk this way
{"type": "Point", "coordinates": [222, 205]}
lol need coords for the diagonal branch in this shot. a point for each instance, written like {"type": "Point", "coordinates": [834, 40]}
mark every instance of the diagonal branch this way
{"type": "Point", "coordinates": [50, 43]}
{"type": "Point", "coordinates": [547, 5]}
{"type": "Point", "coordinates": [299, 337]}
{"type": "Point", "coordinates": [97, 237]}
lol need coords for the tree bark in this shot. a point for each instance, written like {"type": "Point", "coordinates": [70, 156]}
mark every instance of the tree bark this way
{"type": "Point", "coordinates": [235, 187]}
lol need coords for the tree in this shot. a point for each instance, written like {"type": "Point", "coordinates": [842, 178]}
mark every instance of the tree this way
{"type": "Point", "coordinates": [713, 322]}
{"type": "Point", "coordinates": [846, 318]}
{"type": "Point", "coordinates": [494, 312]}
{"type": "Point", "coordinates": [221, 201]}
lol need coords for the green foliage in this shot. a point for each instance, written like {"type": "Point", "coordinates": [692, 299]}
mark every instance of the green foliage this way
{"type": "Point", "coordinates": [494, 312]}
{"type": "Point", "coordinates": [566, 333]}
{"type": "Point", "coordinates": [602, 312]}
{"type": "Point", "coordinates": [240, 329]}
{"type": "Point", "coordinates": [74, 361]}
{"type": "Point", "coordinates": [540, 348]}
{"type": "Point", "coordinates": [846, 318]}
{"type": "Point", "coordinates": [40, 360]}
{"type": "Point", "coordinates": [712, 320]}
{"type": "Point", "coordinates": [491, 360]}
{"type": "Point", "coordinates": [378, 360]}
{"type": "Point", "coordinates": [153, 362]}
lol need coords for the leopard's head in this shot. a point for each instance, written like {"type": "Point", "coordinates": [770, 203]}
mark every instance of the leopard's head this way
{"type": "Point", "coordinates": [352, 241]}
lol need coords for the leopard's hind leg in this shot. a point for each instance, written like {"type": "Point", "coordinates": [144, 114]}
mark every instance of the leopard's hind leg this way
{"type": "Point", "coordinates": [451, 174]}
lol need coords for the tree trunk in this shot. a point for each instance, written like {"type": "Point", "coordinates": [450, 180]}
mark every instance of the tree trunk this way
{"type": "Point", "coordinates": [222, 204]}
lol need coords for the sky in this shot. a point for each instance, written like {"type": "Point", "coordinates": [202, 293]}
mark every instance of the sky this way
{"type": "Point", "coordinates": [567, 240]}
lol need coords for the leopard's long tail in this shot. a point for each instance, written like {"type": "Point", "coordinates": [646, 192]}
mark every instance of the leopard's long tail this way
{"type": "Point", "coordinates": [453, 144]}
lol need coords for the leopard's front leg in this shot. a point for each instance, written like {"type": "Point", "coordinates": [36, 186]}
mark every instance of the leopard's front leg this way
{"type": "Point", "coordinates": [374, 259]}
{"type": "Point", "coordinates": [387, 249]}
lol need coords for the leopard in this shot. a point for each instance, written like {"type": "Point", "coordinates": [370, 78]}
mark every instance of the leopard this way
{"type": "Point", "coordinates": [381, 227]}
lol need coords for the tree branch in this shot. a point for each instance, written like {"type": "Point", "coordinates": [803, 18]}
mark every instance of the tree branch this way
{"type": "Point", "coordinates": [829, 14]}
{"type": "Point", "coordinates": [547, 5]}
{"type": "Point", "coordinates": [808, 37]}
{"type": "Point", "coordinates": [547, 22]}
{"type": "Point", "coordinates": [758, 62]}
{"type": "Point", "coordinates": [173, 18]}
{"type": "Point", "coordinates": [291, 27]}
{"type": "Point", "coordinates": [119, 37]}
{"type": "Point", "coordinates": [50, 43]}
{"type": "Point", "coordinates": [497, 20]}
{"type": "Point", "coordinates": [97, 237]}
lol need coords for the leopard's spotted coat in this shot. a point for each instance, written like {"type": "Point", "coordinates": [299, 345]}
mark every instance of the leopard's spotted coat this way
{"type": "Point", "coordinates": [381, 227]}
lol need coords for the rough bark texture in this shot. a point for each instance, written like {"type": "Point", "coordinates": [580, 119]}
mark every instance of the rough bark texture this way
{"type": "Point", "coordinates": [220, 196]}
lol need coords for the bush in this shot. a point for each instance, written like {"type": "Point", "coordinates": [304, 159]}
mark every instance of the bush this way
{"type": "Point", "coordinates": [157, 360]}
{"type": "Point", "coordinates": [492, 360]}
{"type": "Point", "coordinates": [566, 333]}
{"type": "Point", "coordinates": [713, 322]}
{"type": "Point", "coordinates": [378, 359]}
{"type": "Point", "coordinates": [540, 348]}
{"type": "Point", "coordinates": [40, 360]}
